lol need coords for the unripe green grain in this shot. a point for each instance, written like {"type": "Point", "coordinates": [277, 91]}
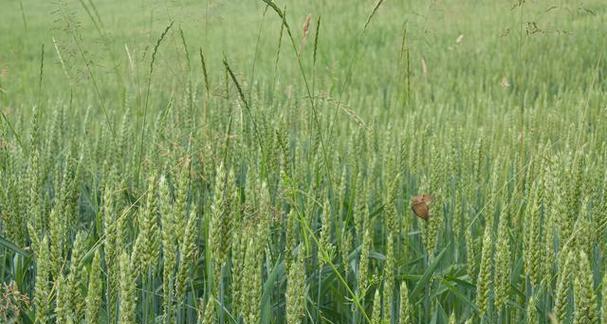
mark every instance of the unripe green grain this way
{"type": "Point", "coordinates": [376, 314]}
{"type": "Point", "coordinates": [405, 312]}
{"type": "Point", "coordinates": [168, 236]}
{"type": "Point", "coordinates": [42, 289]}
{"type": "Point", "coordinates": [363, 265]}
{"type": "Point", "coordinates": [291, 237]}
{"type": "Point", "coordinates": [532, 313]}
{"type": "Point", "coordinates": [604, 301]}
{"type": "Point", "coordinates": [296, 290]}
{"type": "Point", "coordinates": [187, 255]}
{"type": "Point", "coordinates": [563, 286]}
{"type": "Point", "coordinates": [534, 247]}
{"type": "Point", "coordinates": [484, 282]}
{"type": "Point", "coordinates": [389, 282]}
{"type": "Point", "coordinates": [62, 308]}
{"type": "Point", "coordinates": [326, 248]}
{"type": "Point", "coordinates": [75, 280]}
{"type": "Point", "coordinates": [94, 291]}
{"type": "Point", "coordinates": [586, 311]}
{"type": "Point", "coordinates": [251, 296]}
{"type": "Point", "coordinates": [57, 236]}
{"type": "Point", "coordinates": [208, 315]}
{"type": "Point", "coordinates": [147, 245]}
{"type": "Point", "coordinates": [346, 249]}
{"type": "Point", "coordinates": [471, 259]}
{"type": "Point", "coordinates": [127, 295]}
{"type": "Point", "coordinates": [502, 263]}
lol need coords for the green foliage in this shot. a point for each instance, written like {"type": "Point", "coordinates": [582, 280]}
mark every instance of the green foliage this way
{"type": "Point", "coordinates": [214, 163]}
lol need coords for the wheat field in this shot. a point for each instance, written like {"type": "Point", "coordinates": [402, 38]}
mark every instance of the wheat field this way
{"type": "Point", "coordinates": [323, 161]}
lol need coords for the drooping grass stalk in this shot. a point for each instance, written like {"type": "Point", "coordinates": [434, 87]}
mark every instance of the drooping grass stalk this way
{"type": "Point", "coordinates": [282, 15]}
{"type": "Point", "coordinates": [252, 80]}
{"type": "Point", "coordinates": [147, 95]}
{"type": "Point", "coordinates": [244, 101]}
{"type": "Point", "coordinates": [373, 12]}
{"type": "Point", "coordinates": [76, 38]}
{"type": "Point", "coordinates": [190, 90]}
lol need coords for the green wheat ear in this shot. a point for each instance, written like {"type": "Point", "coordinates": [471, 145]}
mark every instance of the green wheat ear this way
{"type": "Point", "coordinates": [94, 291]}
{"type": "Point", "coordinates": [296, 290]}
{"type": "Point", "coordinates": [532, 313]}
{"type": "Point", "coordinates": [502, 263]}
{"type": "Point", "coordinates": [188, 251]}
{"type": "Point", "coordinates": [168, 219]}
{"type": "Point", "coordinates": [405, 314]}
{"type": "Point", "coordinates": [127, 293]}
{"type": "Point", "coordinates": [484, 282]}
{"type": "Point", "coordinates": [376, 317]}
{"type": "Point", "coordinates": [561, 299]}
{"type": "Point", "coordinates": [207, 313]}
{"type": "Point", "coordinates": [251, 285]}
{"type": "Point", "coordinates": [604, 301]}
{"type": "Point", "coordinates": [363, 263]}
{"type": "Point", "coordinates": [586, 310]}
{"type": "Point", "coordinates": [389, 281]}
{"type": "Point", "coordinates": [42, 291]}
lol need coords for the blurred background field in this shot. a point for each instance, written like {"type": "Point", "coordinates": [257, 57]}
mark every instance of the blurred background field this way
{"type": "Point", "coordinates": [183, 161]}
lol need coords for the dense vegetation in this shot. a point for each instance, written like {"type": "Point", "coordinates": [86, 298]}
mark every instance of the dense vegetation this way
{"type": "Point", "coordinates": [254, 162]}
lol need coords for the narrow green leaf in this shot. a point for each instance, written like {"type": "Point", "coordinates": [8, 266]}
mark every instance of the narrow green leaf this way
{"type": "Point", "coordinates": [12, 246]}
{"type": "Point", "coordinates": [429, 272]}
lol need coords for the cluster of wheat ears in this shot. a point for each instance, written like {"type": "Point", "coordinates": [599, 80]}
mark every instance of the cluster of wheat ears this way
{"type": "Point", "coordinates": [304, 198]}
